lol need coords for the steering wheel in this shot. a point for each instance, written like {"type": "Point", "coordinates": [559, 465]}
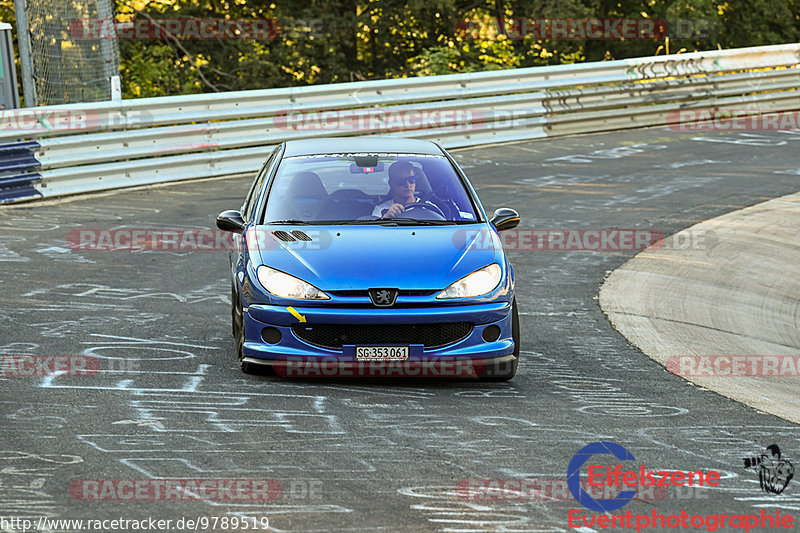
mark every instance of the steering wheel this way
{"type": "Point", "coordinates": [430, 208]}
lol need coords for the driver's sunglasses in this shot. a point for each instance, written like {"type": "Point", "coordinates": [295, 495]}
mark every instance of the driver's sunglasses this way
{"type": "Point", "coordinates": [400, 181]}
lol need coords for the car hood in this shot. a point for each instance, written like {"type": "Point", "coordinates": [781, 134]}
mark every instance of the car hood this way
{"type": "Point", "coordinates": [362, 257]}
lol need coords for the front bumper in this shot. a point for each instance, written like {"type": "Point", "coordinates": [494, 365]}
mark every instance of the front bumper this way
{"type": "Point", "coordinates": [473, 346]}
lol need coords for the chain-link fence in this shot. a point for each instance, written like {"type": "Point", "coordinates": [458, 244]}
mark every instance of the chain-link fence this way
{"type": "Point", "coordinates": [67, 67]}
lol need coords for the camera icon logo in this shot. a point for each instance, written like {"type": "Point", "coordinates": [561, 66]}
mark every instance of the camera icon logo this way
{"type": "Point", "coordinates": [774, 472]}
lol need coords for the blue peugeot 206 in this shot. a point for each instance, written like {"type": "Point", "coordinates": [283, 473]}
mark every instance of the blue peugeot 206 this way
{"type": "Point", "coordinates": [370, 257]}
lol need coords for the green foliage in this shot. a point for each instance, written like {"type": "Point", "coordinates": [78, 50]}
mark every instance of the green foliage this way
{"type": "Point", "coordinates": [759, 22]}
{"type": "Point", "coordinates": [330, 41]}
{"type": "Point", "coordinates": [151, 69]}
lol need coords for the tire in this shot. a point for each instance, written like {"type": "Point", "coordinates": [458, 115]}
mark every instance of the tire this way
{"type": "Point", "coordinates": [507, 371]}
{"type": "Point", "coordinates": [238, 333]}
{"type": "Point", "coordinates": [234, 301]}
{"type": "Point", "coordinates": [515, 329]}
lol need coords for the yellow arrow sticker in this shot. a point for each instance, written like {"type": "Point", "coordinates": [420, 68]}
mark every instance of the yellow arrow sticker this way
{"type": "Point", "coordinates": [297, 315]}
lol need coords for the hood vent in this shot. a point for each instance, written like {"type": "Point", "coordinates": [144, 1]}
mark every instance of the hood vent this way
{"type": "Point", "coordinates": [300, 236]}
{"type": "Point", "coordinates": [285, 237]}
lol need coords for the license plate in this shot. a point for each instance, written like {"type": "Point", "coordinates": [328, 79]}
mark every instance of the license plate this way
{"type": "Point", "coordinates": [381, 353]}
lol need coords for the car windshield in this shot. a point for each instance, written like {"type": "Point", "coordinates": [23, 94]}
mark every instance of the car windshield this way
{"type": "Point", "coordinates": [363, 188]}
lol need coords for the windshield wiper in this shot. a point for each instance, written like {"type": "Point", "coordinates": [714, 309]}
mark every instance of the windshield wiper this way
{"type": "Point", "coordinates": [295, 222]}
{"type": "Point", "coordinates": [399, 221]}
{"type": "Point", "coordinates": [416, 221]}
{"type": "Point", "coordinates": [364, 222]}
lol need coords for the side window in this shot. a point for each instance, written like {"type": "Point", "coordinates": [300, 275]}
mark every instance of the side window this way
{"type": "Point", "coordinates": [247, 205]}
{"type": "Point", "coordinates": [258, 182]}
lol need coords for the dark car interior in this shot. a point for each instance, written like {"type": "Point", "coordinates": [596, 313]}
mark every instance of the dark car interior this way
{"type": "Point", "coordinates": [306, 198]}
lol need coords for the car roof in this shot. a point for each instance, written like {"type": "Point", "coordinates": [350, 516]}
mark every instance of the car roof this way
{"type": "Point", "coordinates": [346, 145]}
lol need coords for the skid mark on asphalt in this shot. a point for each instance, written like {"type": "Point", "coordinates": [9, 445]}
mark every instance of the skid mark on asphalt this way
{"type": "Point", "coordinates": [24, 474]}
{"type": "Point", "coordinates": [104, 292]}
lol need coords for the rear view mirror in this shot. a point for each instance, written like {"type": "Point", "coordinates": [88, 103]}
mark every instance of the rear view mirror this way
{"type": "Point", "coordinates": [230, 221]}
{"type": "Point", "coordinates": [505, 218]}
{"type": "Point", "coordinates": [366, 169]}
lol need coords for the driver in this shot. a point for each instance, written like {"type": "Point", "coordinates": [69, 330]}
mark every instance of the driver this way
{"type": "Point", "coordinates": [402, 190]}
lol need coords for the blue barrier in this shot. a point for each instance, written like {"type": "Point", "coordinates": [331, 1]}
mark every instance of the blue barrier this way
{"type": "Point", "coordinates": [18, 166]}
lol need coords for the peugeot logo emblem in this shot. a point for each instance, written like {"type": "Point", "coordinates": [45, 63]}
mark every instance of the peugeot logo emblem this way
{"type": "Point", "coordinates": [383, 297]}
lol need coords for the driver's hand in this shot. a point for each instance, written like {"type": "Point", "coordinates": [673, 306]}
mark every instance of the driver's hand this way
{"type": "Point", "coordinates": [394, 210]}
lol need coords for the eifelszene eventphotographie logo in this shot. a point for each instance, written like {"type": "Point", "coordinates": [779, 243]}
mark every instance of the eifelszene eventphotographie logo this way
{"type": "Point", "coordinates": [597, 459]}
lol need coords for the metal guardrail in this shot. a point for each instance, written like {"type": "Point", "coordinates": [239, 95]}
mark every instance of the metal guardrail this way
{"type": "Point", "coordinates": [91, 147]}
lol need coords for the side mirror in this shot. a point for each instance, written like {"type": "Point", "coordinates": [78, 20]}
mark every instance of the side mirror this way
{"type": "Point", "coordinates": [505, 218]}
{"type": "Point", "coordinates": [230, 221]}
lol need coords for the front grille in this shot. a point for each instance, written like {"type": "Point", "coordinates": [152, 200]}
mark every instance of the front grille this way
{"type": "Point", "coordinates": [335, 335]}
{"type": "Point", "coordinates": [402, 292]}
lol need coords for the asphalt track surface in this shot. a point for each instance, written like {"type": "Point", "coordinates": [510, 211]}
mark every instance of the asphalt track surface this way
{"type": "Point", "coordinates": [374, 455]}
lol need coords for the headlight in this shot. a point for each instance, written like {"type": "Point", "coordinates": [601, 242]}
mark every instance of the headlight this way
{"type": "Point", "coordinates": [286, 286]}
{"type": "Point", "coordinates": [479, 282]}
